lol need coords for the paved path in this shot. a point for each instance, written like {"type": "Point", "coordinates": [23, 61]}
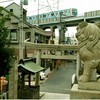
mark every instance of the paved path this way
{"type": "Point", "coordinates": [54, 96]}
{"type": "Point", "coordinates": [60, 80]}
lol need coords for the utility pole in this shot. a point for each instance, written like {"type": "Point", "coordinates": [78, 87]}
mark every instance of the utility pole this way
{"type": "Point", "coordinates": [21, 31]}
{"type": "Point", "coordinates": [21, 39]}
{"type": "Point", "coordinates": [57, 4]}
{"type": "Point", "coordinates": [38, 12]}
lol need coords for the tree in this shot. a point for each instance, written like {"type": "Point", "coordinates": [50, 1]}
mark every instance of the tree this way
{"type": "Point", "coordinates": [6, 53]}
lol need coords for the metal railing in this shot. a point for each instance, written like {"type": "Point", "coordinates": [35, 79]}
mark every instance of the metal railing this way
{"type": "Point", "coordinates": [4, 95]}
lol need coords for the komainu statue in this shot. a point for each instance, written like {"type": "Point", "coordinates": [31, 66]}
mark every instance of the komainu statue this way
{"type": "Point", "coordinates": [88, 35]}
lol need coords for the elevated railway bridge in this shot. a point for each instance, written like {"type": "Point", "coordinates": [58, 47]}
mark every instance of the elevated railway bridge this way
{"type": "Point", "coordinates": [66, 21]}
{"type": "Point", "coordinates": [62, 19]}
{"type": "Point", "coordinates": [63, 22]}
{"type": "Point", "coordinates": [69, 22]}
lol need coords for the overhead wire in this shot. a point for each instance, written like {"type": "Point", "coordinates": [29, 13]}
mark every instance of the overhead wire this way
{"type": "Point", "coordinates": [46, 6]}
{"type": "Point", "coordinates": [51, 8]}
{"type": "Point", "coordinates": [6, 1]}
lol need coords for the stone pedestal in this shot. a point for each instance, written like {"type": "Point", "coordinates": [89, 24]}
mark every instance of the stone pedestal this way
{"type": "Point", "coordinates": [89, 86]}
{"type": "Point", "coordinates": [83, 94]}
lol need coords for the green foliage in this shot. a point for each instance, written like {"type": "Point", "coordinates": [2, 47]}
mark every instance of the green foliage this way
{"type": "Point", "coordinates": [6, 53]}
{"type": "Point", "coordinates": [6, 56]}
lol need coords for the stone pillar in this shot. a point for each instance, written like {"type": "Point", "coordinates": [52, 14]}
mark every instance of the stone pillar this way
{"type": "Point", "coordinates": [13, 79]}
{"type": "Point", "coordinates": [32, 35]}
{"type": "Point", "coordinates": [38, 62]}
{"type": "Point", "coordinates": [59, 27]}
{"type": "Point", "coordinates": [78, 65]}
{"type": "Point", "coordinates": [52, 31]}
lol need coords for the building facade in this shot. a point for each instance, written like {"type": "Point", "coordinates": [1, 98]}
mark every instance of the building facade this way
{"type": "Point", "coordinates": [34, 33]}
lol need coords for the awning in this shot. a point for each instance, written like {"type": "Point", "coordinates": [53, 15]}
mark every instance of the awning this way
{"type": "Point", "coordinates": [30, 66]}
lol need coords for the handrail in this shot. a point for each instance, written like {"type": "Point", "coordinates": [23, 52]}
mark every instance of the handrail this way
{"type": "Point", "coordinates": [4, 95]}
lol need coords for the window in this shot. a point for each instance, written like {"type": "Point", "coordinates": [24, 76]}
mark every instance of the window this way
{"type": "Point", "coordinates": [28, 35]}
{"type": "Point", "coordinates": [30, 17]}
{"type": "Point", "coordinates": [74, 12]}
{"type": "Point", "coordinates": [44, 15]}
{"type": "Point", "coordinates": [37, 16]}
{"type": "Point", "coordinates": [56, 13]}
{"type": "Point", "coordinates": [52, 14]}
{"type": "Point", "coordinates": [61, 12]}
{"type": "Point", "coordinates": [12, 35]}
{"type": "Point", "coordinates": [11, 10]}
{"type": "Point", "coordinates": [40, 16]}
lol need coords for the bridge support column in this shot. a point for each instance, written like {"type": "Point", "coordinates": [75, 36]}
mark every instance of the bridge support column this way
{"type": "Point", "coordinates": [52, 30]}
{"type": "Point", "coordinates": [62, 30]}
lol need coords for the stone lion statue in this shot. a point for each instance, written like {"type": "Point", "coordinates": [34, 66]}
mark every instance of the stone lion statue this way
{"type": "Point", "coordinates": [88, 35]}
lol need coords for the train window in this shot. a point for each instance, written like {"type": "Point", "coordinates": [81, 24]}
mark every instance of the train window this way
{"type": "Point", "coordinates": [44, 15]}
{"type": "Point", "coordinates": [37, 16]}
{"type": "Point", "coordinates": [61, 12]}
{"type": "Point", "coordinates": [30, 17]}
{"type": "Point", "coordinates": [47, 15]}
{"type": "Point", "coordinates": [74, 12]}
{"type": "Point", "coordinates": [68, 11]}
{"type": "Point", "coordinates": [64, 11]}
{"type": "Point", "coordinates": [40, 16]}
{"type": "Point", "coordinates": [52, 14]}
{"type": "Point", "coordinates": [56, 13]}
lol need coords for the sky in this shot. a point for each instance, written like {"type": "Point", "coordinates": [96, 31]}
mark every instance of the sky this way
{"type": "Point", "coordinates": [81, 5]}
{"type": "Point", "coordinates": [51, 5]}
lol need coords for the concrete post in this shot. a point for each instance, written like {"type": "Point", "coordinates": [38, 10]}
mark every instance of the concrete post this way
{"type": "Point", "coordinates": [38, 62]}
{"type": "Point", "coordinates": [21, 31]}
{"type": "Point", "coordinates": [13, 79]}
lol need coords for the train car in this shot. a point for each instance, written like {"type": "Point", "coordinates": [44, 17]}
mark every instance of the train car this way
{"type": "Point", "coordinates": [72, 12]}
{"type": "Point", "coordinates": [52, 16]}
{"type": "Point", "coordinates": [92, 13]}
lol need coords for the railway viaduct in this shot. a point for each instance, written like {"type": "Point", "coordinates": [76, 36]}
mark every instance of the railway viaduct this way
{"type": "Point", "coordinates": [63, 22]}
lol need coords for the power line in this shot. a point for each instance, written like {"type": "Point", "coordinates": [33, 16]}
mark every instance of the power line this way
{"type": "Point", "coordinates": [6, 1]}
{"type": "Point", "coordinates": [46, 6]}
{"type": "Point", "coordinates": [51, 8]}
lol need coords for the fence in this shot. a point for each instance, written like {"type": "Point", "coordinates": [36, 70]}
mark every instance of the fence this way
{"type": "Point", "coordinates": [4, 95]}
